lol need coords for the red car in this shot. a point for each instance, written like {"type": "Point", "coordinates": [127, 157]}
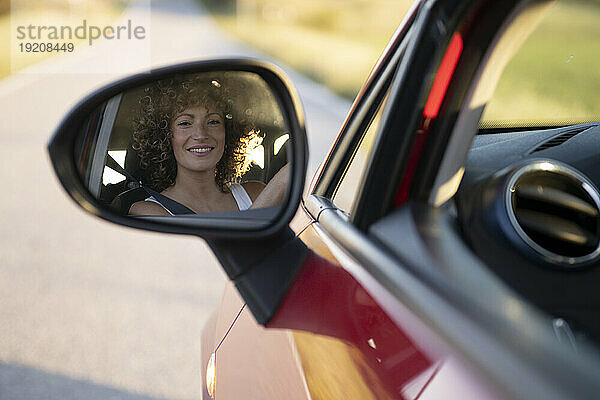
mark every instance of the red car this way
{"type": "Point", "coordinates": [447, 247]}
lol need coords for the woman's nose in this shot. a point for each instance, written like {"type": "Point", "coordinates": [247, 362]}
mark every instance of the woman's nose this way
{"type": "Point", "coordinates": [199, 132]}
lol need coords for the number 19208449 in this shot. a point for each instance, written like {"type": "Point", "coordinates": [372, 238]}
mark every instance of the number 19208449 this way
{"type": "Point", "coordinates": [43, 47]}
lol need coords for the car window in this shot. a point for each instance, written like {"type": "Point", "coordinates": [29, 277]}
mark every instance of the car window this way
{"type": "Point", "coordinates": [348, 188]}
{"type": "Point", "coordinates": [553, 79]}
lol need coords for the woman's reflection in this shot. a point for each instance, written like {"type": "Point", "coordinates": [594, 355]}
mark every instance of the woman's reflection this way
{"type": "Point", "coordinates": [193, 146]}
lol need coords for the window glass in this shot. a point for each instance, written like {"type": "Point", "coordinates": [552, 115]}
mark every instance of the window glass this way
{"type": "Point", "coordinates": [554, 78]}
{"type": "Point", "coordinates": [347, 191]}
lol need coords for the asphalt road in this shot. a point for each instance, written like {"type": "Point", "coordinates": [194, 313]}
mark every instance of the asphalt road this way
{"type": "Point", "coordinates": [91, 310]}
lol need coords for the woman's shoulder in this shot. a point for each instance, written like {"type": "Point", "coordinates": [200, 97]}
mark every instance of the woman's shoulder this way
{"type": "Point", "coordinates": [147, 208]}
{"type": "Point", "coordinates": [253, 188]}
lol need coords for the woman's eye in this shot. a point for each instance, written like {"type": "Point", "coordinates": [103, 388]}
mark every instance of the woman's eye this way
{"type": "Point", "coordinates": [214, 122]}
{"type": "Point", "coordinates": [184, 123]}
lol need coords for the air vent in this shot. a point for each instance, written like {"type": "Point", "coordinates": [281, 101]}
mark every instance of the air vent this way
{"type": "Point", "coordinates": [556, 211]}
{"type": "Point", "coordinates": [559, 139]}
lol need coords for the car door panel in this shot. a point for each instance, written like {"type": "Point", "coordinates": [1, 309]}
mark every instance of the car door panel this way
{"type": "Point", "coordinates": [350, 349]}
{"type": "Point", "coordinates": [318, 364]}
{"type": "Point", "coordinates": [254, 362]}
{"type": "Point", "coordinates": [334, 356]}
{"type": "Point", "coordinates": [374, 341]}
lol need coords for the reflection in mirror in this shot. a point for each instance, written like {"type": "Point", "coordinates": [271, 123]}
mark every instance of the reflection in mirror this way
{"type": "Point", "coordinates": [211, 142]}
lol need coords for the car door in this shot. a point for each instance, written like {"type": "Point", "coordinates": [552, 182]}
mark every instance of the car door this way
{"type": "Point", "coordinates": [367, 344]}
{"type": "Point", "coordinates": [403, 291]}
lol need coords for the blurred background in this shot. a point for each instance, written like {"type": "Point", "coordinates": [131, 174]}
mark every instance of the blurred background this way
{"type": "Point", "coordinates": [334, 42]}
{"type": "Point", "coordinates": [553, 78]}
{"type": "Point", "coordinates": [331, 41]}
{"type": "Point", "coordinates": [92, 310]}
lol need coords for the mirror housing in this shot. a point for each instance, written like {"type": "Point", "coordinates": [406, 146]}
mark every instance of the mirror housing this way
{"type": "Point", "coordinates": [249, 224]}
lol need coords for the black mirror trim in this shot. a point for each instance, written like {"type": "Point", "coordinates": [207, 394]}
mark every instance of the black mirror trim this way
{"type": "Point", "coordinates": [262, 271]}
{"type": "Point", "coordinates": [61, 148]}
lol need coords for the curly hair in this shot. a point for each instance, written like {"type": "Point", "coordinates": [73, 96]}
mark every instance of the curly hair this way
{"type": "Point", "coordinates": [164, 99]}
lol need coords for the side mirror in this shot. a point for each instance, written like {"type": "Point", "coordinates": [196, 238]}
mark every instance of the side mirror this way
{"type": "Point", "coordinates": [215, 149]}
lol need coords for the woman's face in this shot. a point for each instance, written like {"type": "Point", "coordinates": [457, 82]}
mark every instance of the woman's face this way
{"type": "Point", "coordinates": [198, 138]}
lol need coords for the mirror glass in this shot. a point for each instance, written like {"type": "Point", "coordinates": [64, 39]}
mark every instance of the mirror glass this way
{"type": "Point", "coordinates": [201, 144]}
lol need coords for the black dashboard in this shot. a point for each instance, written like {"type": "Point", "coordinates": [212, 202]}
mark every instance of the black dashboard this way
{"type": "Point", "coordinates": [529, 207]}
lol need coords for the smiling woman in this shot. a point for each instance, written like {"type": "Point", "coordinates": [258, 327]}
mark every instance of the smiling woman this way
{"type": "Point", "coordinates": [188, 143]}
{"type": "Point", "coordinates": [192, 146]}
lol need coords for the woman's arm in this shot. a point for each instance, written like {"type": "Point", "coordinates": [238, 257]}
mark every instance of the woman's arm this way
{"type": "Point", "coordinates": [254, 189]}
{"type": "Point", "coordinates": [274, 193]}
{"type": "Point", "coordinates": [147, 208]}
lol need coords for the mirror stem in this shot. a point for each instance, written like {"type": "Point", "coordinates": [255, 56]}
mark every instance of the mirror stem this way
{"type": "Point", "coordinates": [262, 270]}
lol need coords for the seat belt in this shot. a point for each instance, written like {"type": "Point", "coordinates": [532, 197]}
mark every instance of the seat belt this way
{"type": "Point", "coordinates": [173, 206]}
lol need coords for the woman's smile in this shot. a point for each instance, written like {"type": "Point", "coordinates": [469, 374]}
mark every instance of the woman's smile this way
{"type": "Point", "coordinates": [198, 138]}
{"type": "Point", "coordinates": [200, 151]}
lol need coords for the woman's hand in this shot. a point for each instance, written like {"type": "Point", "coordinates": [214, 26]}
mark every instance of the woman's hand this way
{"type": "Point", "coordinates": [274, 193]}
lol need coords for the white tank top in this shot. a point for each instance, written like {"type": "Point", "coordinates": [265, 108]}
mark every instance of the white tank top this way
{"type": "Point", "coordinates": [240, 195]}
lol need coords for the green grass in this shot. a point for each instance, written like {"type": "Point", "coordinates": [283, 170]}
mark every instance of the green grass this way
{"type": "Point", "coordinates": [334, 42]}
{"type": "Point", "coordinates": [555, 75]}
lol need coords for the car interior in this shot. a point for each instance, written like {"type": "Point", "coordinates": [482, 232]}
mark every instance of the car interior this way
{"type": "Point", "coordinates": [528, 204]}
{"type": "Point", "coordinates": [529, 208]}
